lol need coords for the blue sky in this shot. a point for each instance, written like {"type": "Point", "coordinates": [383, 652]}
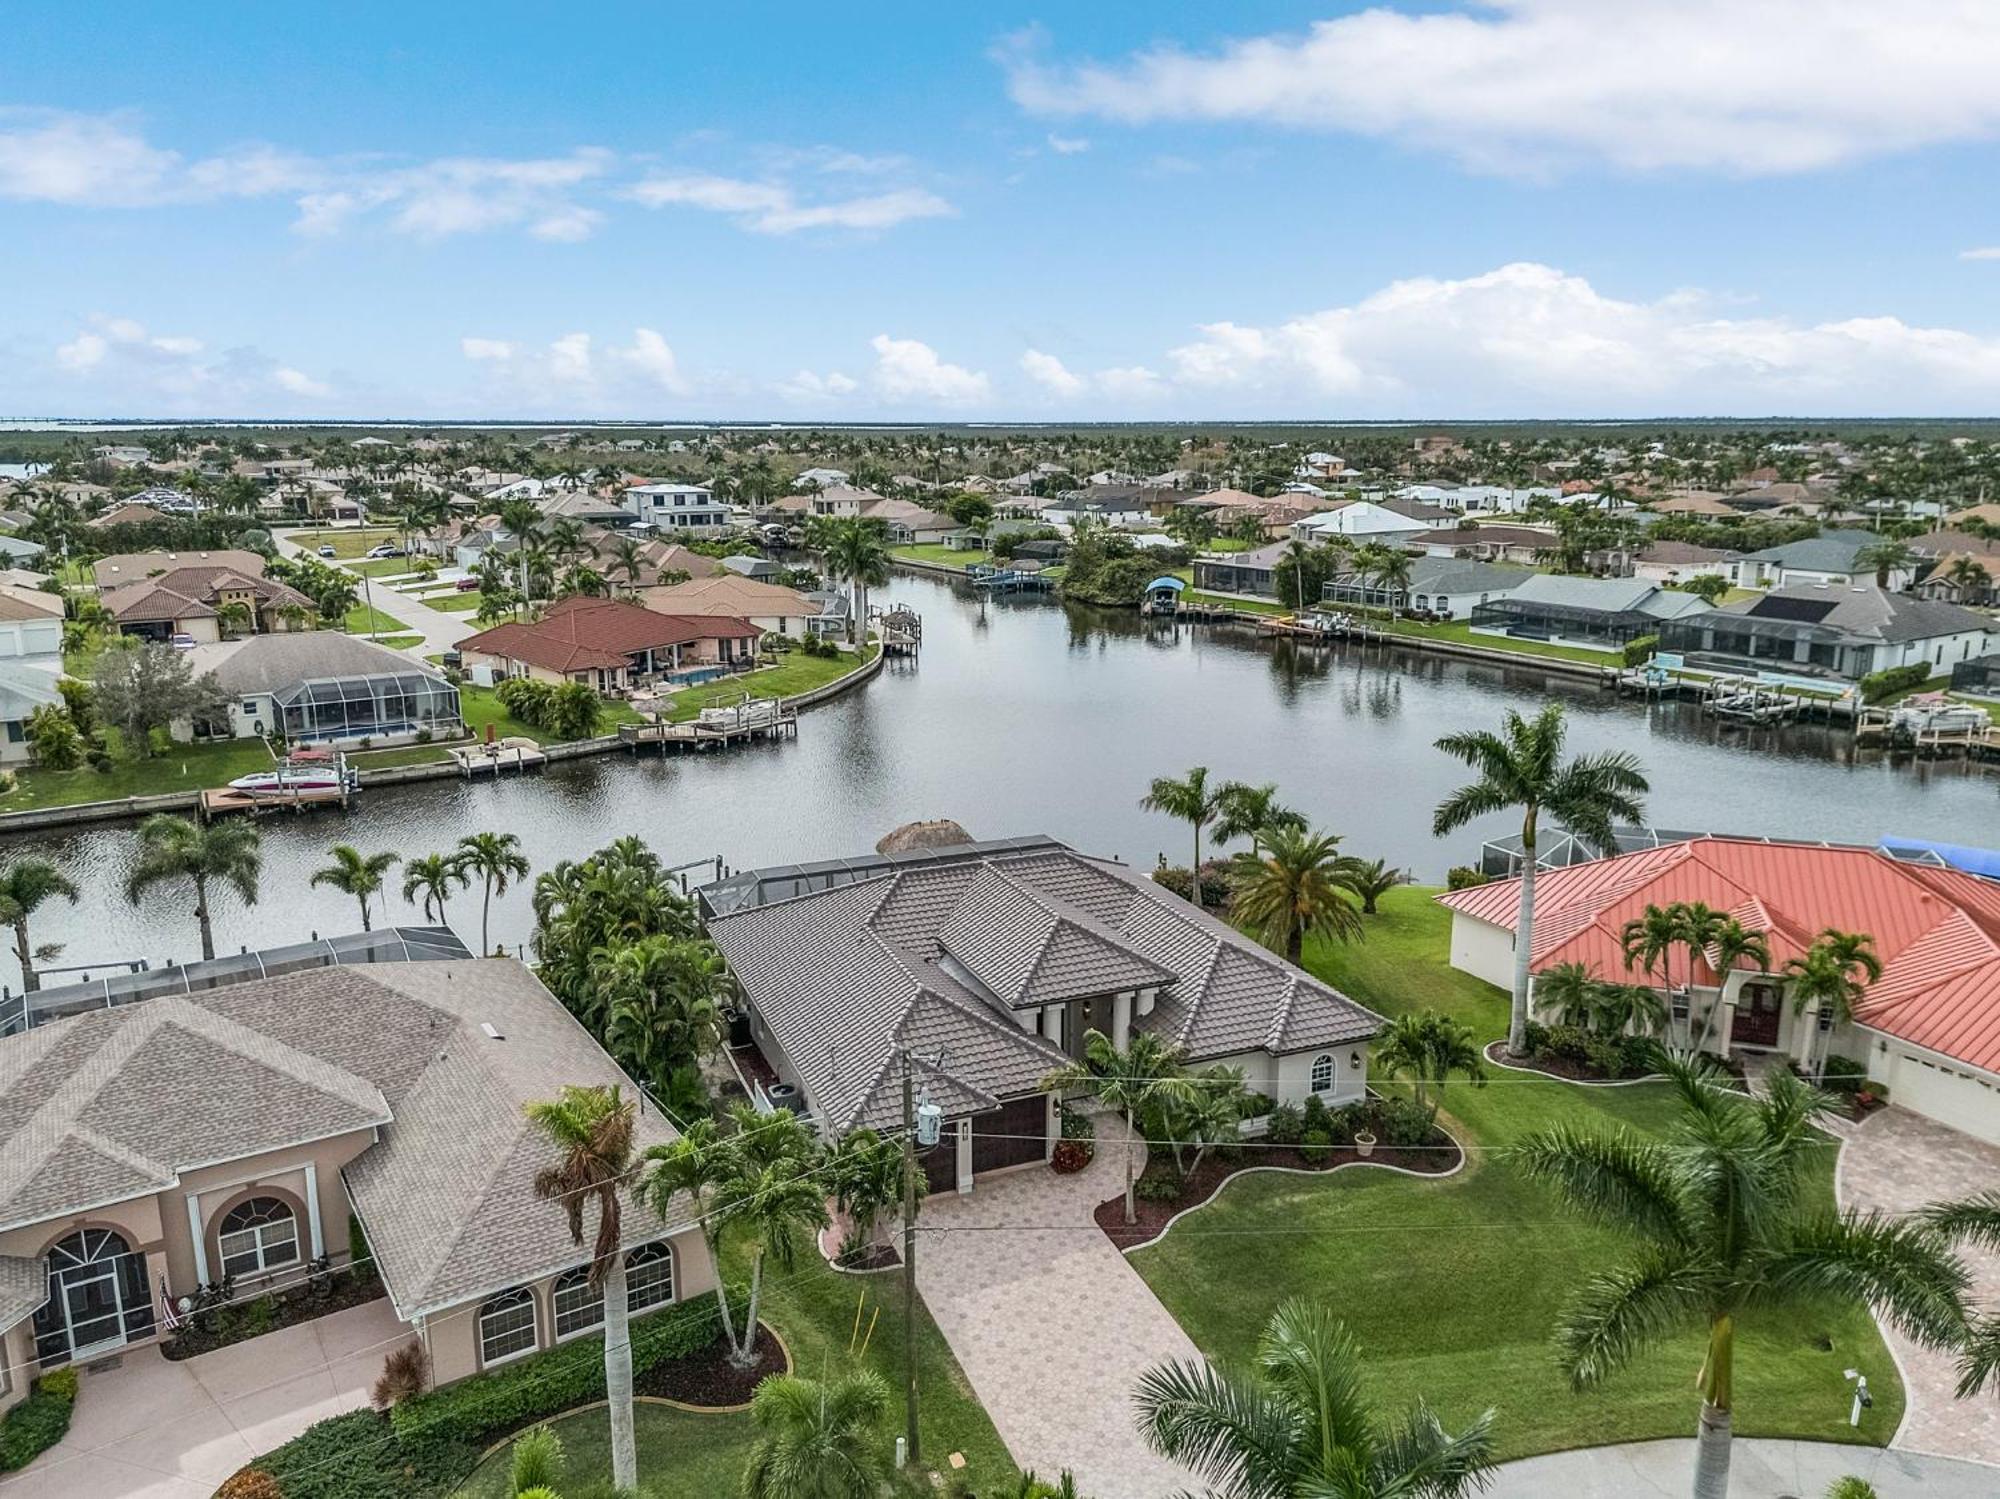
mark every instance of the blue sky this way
{"type": "Point", "coordinates": [1529, 208]}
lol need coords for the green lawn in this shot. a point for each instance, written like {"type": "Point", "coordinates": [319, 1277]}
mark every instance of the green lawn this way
{"type": "Point", "coordinates": [364, 619]}
{"type": "Point", "coordinates": [1452, 1286]}
{"type": "Point", "coordinates": [348, 543]}
{"type": "Point", "coordinates": [1246, 606]}
{"type": "Point", "coordinates": [1460, 632]}
{"type": "Point", "coordinates": [682, 1454]}
{"type": "Point", "coordinates": [948, 556]}
{"type": "Point", "coordinates": [454, 603]}
{"type": "Point", "coordinates": [481, 706]}
{"type": "Point", "coordinates": [184, 767]}
{"type": "Point", "coordinates": [415, 754]}
{"type": "Point", "coordinates": [381, 567]}
{"type": "Point", "coordinates": [798, 673]}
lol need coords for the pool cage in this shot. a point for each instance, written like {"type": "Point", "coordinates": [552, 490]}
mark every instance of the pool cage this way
{"type": "Point", "coordinates": [337, 708]}
{"type": "Point", "coordinates": [1533, 619]}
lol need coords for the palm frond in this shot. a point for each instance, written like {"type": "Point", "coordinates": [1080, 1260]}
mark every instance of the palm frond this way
{"type": "Point", "coordinates": [1619, 1313]}
{"type": "Point", "coordinates": [1223, 1425]}
{"type": "Point", "coordinates": [1419, 1459]}
{"type": "Point", "coordinates": [1970, 1220]}
{"type": "Point", "coordinates": [1615, 1178]}
{"type": "Point", "coordinates": [1899, 1267]}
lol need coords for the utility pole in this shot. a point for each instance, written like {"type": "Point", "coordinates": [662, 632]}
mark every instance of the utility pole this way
{"type": "Point", "coordinates": [909, 1260]}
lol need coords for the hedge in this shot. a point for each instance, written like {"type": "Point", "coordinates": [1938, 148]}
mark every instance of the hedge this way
{"type": "Point", "coordinates": [1880, 684]}
{"type": "Point", "coordinates": [38, 1422]}
{"type": "Point", "coordinates": [360, 1456]}
{"type": "Point", "coordinates": [490, 1405]}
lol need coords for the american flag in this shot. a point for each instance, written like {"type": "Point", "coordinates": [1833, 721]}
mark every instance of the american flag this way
{"type": "Point", "coordinates": [169, 1314]}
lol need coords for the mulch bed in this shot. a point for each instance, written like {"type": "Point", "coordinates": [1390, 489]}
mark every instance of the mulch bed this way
{"type": "Point", "coordinates": [1154, 1214]}
{"type": "Point", "coordinates": [708, 1378]}
{"type": "Point", "coordinates": [295, 1304]}
{"type": "Point", "coordinates": [874, 1257]}
{"type": "Point", "coordinates": [1562, 1067]}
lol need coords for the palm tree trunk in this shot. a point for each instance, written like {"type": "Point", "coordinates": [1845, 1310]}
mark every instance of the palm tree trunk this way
{"type": "Point", "coordinates": [1524, 933]}
{"type": "Point", "coordinates": [747, 1354]}
{"type": "Point", "coordinates": [1131, 1138]}
{"type": "Point", "coordinates": [1195, 883]}
{"type": "Point", "coordinates": [1712, 1431]}
{"type": "Point", "coordinates": [30, 981]}
{"type": "Point", "coordinates": [201, 917]}
{"type": "Point", "coordinates": [721, 1293]}
{"type": "Point", "coordinates": [364, 913]}
{"type": "Point", "coordinates": [485, 914]}
{"type": "Point", "coordinates": [618, 1377]}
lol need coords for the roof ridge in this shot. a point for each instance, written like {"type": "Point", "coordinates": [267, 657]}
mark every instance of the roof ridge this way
{"type": "Point", "coordinates": [56, 1118]}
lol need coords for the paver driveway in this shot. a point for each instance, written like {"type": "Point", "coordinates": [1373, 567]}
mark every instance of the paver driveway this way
{"type": "Point", "coordinates": [1050, 1323]}
{"type": "Point", "coordinates": [1896, 1162]}
{"type": "Point", "coordinates": [151, 1429]}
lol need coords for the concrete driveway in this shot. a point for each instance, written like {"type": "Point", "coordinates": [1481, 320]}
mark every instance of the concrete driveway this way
{"type": "Point", "coordinates": [146, 1428]}
{"type": "Point", "coordinates": [1896, 1162]}
{"type": "Point", "coordinates": [441, 629]}
{"type": "Point", "coordinates": [1758, 1469]}
{"type": "Point", "coordinates": [1050, 1323]}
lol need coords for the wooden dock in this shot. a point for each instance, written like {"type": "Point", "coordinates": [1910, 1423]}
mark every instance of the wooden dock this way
{"type": "Point", "coordinates": [694, 734]}
{"type": "Point", "coordinates": [901, 631]}
{"type": "Point", "coordinates": [515, 754]}
{"type": "Point", "coordinates": [1322, 631]}
{"type": "Point", "coordinates": [219, 801]}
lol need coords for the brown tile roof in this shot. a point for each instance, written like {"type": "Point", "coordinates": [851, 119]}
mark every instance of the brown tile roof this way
{"type": "Point", "coordinates": [131, 567]}
{"type": "Point", "coordinates": [581, 634]}
{"type": "Point", "coordinates": [729, 595]}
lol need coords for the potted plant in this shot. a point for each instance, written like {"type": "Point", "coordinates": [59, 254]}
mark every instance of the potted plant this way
{"type": "Point", "coordinates": [1364, 1143]}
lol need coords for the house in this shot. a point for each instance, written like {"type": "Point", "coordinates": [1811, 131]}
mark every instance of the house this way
{"type": "Point", "coordinates": [31, 626]}
{"type": "Point", "coordinates": [24, 687]}
{"type": "Point", "coordinates": [989, 962]}
{"type": "Point", "coordinates": [1252, 573]}
{"type": "Point", "coordinates": [14, 552]}
{"type": "Point", "coordinates": [1821, 629]}
{"type": "Point", "coordinates": [1926, 1029]}
{"type": "Point", "coordinates": [820, 478]}
{"type": "Point", "coordinates": [1962, 578]}
{"type": "Point", "coordinates": [1128, 507]}
{"type": "Point", "coordinates": [196, 598]}
{"type": "Point", "coordinates": [323, 687]}
{"type": "Point", "coordinates": [1979, 677]}
{"type": "Point", "coordinates": [609, 644]}
{"type": "Point", "coordinates": [677, 507]}
{"type": "Point", "coordinates": [1487, 541]}
{"type": "Point", "coordinates": [1830, 557]}
{"type": "Point", "coordinates": [232, 1129]}
{"type": "Point", "coordinates": [1450, 586]}
{"type": "Point", "coordinates": [771, 608]}
{"type": "Point", "coordinates": [657, 559]}
{"type": "Point", "coordinates": [589, 510]}
{"type": "Point", "coordinates": [1677, 561]}
{"type": "Point", "coordinates": [762, 569]}
{"type": "Point", "coordinates": [125, 513]}
{"type": "Point", "coordinates": [1702, 503]}
{"type": "Point", "coordinates": [1360, 521]}
{"type": "Point", "coordinates": [122, 568]}
{"type": "Point", "coordinates": [1600, 614]}
{"type": "Point", "coordinates": [120, 455]}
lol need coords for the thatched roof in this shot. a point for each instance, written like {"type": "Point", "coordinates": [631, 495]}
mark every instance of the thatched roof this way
{"type": "Point", "coordinates": [941, 832]}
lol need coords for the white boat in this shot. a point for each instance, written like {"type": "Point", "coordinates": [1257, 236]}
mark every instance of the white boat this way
{"type": "Point", "coordinates": [288, 777]}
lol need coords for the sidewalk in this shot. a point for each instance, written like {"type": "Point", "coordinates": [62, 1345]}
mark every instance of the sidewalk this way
{"type": "Point", "coordinates": [1758, 1469]}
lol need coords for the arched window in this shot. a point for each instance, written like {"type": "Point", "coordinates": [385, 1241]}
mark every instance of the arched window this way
{"type": "Point", "coordinates": [506, 1326]}
{"type": "Point", "coordinates": [649, 1278]}
{"type": "Point", "coordinates": [1322, 1073]}
{"type": "Point", "coordinates": [98, 1297]}
{"type": "Point", "coordinates": [579, 1306]}
{"type": "Point", "coordinates": [259, 1235]}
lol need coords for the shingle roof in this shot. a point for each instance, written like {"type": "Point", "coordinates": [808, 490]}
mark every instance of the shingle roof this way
{"type": "Point", "coordinates": [266, 663]}
{"type": "Point", "coordinates": [951, 947]}
{"type": "Point", "coordinates": [1863, 609]}
{"type": "Point", "coordinates": [1937, 931]}
{"type": "Point", "coordinates": [729, 596]}
{"type": "Point", "coordinates": [1829, 552]}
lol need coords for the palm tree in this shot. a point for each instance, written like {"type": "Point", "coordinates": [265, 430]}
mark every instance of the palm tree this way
{"type": "Point", "coordinates": [357, 874]}
{"type": "Point", "coordinates": [1829, 980]}
{"type": "Point", "coordinates": [24, 885]}
{"type": "Point", "coordinates": [1568, 992]}
{"type": "Point", "coordinates": [1522, 768]}
{"type": "Point", "coordinates": [1720, 1207]}
{"type": "Point", "coordinates": [1851, 1487]}
{"type": "Point", "coordinates": [1296, 884]}
{"type": "Point", "coordinates": [591, 1130]}
{"type": "Point", "coordinates": [698, 1163]}
{"type": "Point", "coordinates": [1884, 557]}
{"type": "Point", "coordinates": [1193, 801]}
{"type": "Point", "coordinates": [1244, 811]}
{"type": "Point", "coordinates": [1969, 578]}
{"type": "Point", "coordinates": [1298, 1423]}
{"type": "Point", "coordinates": [1728, 941]}
{"type": "Point", "coordinates": [1973, 1221]}
{"type": "Point", "coordinates": [628, 558]}
{"type": "Point", "coordinates": [174, 848]}
{"type": "Point", "coordinates": [1147, 1075]}
{"type": "Point", "coordinates": [867, 1173]}
{"type": "Point", "coordinates": [1032, 1487]}
{"type": "Point", "coordinates": [1298, 559]}
{"type": "Point", "coordinates": [771, 1195]}
{"type": "Point", "coordinates": [432, 876]}
{"type": "Point", "coordinates": [496, 858]}
{"type": "Point", "coordinates": [1371, 880]}
{"type": "Point", "coordinates": [857, 553]}
{"type": "Point", "coordinates": [1430, 1047]}
{"type": "Point", "coordinates": [818, 1438]}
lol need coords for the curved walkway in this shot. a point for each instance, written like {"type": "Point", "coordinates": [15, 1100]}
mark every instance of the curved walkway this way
{"type": "Point", "coordinates": [441, 629]}
{"type": "Point", "coordinates": [1758, 1469]}
{"type": "Point", "coordinates": [1050, 1323]}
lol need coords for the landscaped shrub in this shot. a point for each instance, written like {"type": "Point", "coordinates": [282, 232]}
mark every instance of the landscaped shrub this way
{"type": "Point", "coordinates": [1316, 1148]}
{"type": "Point", "coordinates": [1257, 1105]}
{"type": "Point", "coordinates": [1214, 882]}
{"type": "Point", "coordinates": [1348, 1121]}
{"type": "Point", "coordinates": [1639, 651]}
{"type": "Point", "coordinates": [1842, 1075]}
{"type": "Point", "coordinates": [1313, 1115]}
{"type": "Point", "coordinates": [1567, 1043]}
{"type": "Point", "coordinates": [1069, 1157]}
{"type": "Point", "coordinates": [1158, 1186]}
{"type": "Point", "coordinates": [359, 1456]}
{"type": "Point", "coordinates": [1288, 1125]}
{"type": "Point", "coordinates": [405, 1372]}
{"type": "Point", "coordinates": [1402, 1121]}
{"type": "Point", "coordinates": [1534, 1036]}
{"type": "Point", "coordinates": [251, 1483]}
{"type": "Point", "coordinates": [1638, 1055]}
{"type": "Point", "coordinates": [1604, 1056]}
{"type": "Point", "coordinates": [1464, 877]}
{"type": "Point", "coordinates": [38, 1422]}
{"type": "Point", "coordinates": [1880, 684]}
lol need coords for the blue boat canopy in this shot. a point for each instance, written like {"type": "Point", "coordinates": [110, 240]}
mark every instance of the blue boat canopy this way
{"type": "Point", "coordinates": [1980, 861]}
{"type": "Point", "coordinates": [1176, 584]}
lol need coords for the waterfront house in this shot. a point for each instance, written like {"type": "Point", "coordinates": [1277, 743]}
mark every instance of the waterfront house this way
{"type": "Point", "coordinates": [1667, 562]}
{"type": "Point", "coordinates": [31, 626]}
{"type": "Point", "coordinates": [1830, 557]}
{"type": "Point", "coordinates": [588, 509]}
{"type": "Point", "coordinates": [1842, 630]}
{"type": "Point", "coordinates": [1926, 1029]}
{"type": "Point", "coordinates": [1981, 573]}
{"type": "Point", "coordinates": [1451, 586]}
{"type": "Point", "coordinates": [24, 687]}
{"type": "Point", "coordinates": [1487, 541]}
{"type": "Point", "coordinates": [609, 644]}
{"type": "Point", "coordinates": [1601, 614]}
{"type": "Point", "coordinates": [762, 569]}
{"type": "Point", "coordinates": [988, 962]}
{"type": "Point", "coordinates": [771, 608]}
{"type": "Point", "coordinates": [1251, 574]}
{"type": "Point", "coordinates": [658, 560]}
{"type": "Point", "coordinates": [323, 687]}
{"type": "Point", "coordinates": [1126, 507]}
{"type": "Point", "coordinates": [677, 507]}
{"type": "Point", "coordinates": [189, 594]}
{"type": "Point", "coordinates": [229, 1128]}
{"type": "Point", "coordinates": [1362, 521]}
{"type": "Point", "coordinates": [1978, 677]}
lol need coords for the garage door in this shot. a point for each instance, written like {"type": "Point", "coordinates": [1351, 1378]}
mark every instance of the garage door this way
{"type": "Point", "coordinates": [1012, 1135]}
{"type": "Point", "coordinates": [1955, 1096]}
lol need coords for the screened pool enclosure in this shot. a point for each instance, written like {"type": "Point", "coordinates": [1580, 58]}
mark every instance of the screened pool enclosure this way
{"type": "Point", "coordinates": [329, 708]}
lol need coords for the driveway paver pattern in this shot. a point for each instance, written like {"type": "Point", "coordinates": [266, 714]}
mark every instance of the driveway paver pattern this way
{"type": "Point", "coordinates": [1050, 1323]}
{"type": "Point", "coordinates": [1758, 1469]}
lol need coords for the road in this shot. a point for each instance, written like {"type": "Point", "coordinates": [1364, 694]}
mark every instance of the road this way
{"type": "Point", "coordinates": [441, 630]}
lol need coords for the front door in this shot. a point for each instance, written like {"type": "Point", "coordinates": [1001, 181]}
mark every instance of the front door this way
{"type": "Point", "coordinates": [1758, 1008]}
{"type": "Point", "coordinates": [94, 1313]}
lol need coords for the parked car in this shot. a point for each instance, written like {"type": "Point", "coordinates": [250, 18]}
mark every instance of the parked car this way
{"type": "Point", "coordinates": [181, 641]}
{"type": "Point", "coordinates": [386, 549]}
{"type": "Point", "coordinates": [326, 550]}
{"type": "Point", "coordinates": [466, 585]}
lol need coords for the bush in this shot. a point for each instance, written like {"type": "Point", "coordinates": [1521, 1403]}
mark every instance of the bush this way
{"type": "Point", "coordinates": [1640, 650]}
{"type": "Point", "coordinates": [1257, 1105]}
{"type": "Point", "coordinates": [39, 1421]}
{"type": "Point", "coordinates": [405, 1372]}
{"type": "Point", "coordinates": [1163, 1186]}
{"type": "Point", "coordinates": [1567, 1043]}
{"type": "Point", "coordinates": [1465, 877]}
{"type": "Point", "coordinates": [1316, 1148]}
{"type": "Point", "coordinates": [1604, 1056]}
{"type": "Point", "coordinates": [360, 1456]}
{"type": "Point", "coordinates": [1534, 1036]}
{"type": "Point", "coordinates": [1638, 1055]}
{"type": "Point", "coordinates": [1350, 1121]}
{"type": "Point", "coordinates": [1313, 1116]}
{"type": "Point", "coordinates": [1069, 1157]}
{"type": "Point", "coordinates": [1403, 1121]}
{"type": "Point", "coordinates": [424, 736]}
{"type": "Point", "coordinates": [1843, 1075]}
{"type": "Point", "coordinates": [251, 1483]}
{"type": "Point", "coordinates": [1288, 1125]}
{"type": "Point", "coordinates": [1880, 684]}
{"type": "Point", "coordinates": [1214, 882]}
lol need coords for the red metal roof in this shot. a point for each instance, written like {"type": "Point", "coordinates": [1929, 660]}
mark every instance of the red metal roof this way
{"type": "Point", "coordinates": [1937, 931]}
{"type": "Point", "coordinates": [579, 634]}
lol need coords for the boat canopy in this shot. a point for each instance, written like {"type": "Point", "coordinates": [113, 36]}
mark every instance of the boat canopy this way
{"type": "Point", "coordinates": [1169, 582]}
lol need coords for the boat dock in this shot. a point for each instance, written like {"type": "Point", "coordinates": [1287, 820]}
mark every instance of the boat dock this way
{"type": "Point", "coordinates": [1323, 628]}
{"type": "Point", "coordinates": [1007, 579]}
{"type": "Point", "coordinates": [497, 756]}
{"type": "Point", "coordinates": [218, 801]}
{"type": "Point", "coordinates": [901, 631]}
{"type": "Point", "coordinates": [758, 718]}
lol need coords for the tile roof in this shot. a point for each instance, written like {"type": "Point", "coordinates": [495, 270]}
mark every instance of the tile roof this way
{"type": "Point", "coordinates": [1937, 931]}
{"type": "Point", "coordinates": [266, 663]}
{"type": "Point", "coordinates": [729, 596]}
{"type": "Point", "coordinates": [580, 633]}
{"type": "Point", "coordinates": [951, 948]}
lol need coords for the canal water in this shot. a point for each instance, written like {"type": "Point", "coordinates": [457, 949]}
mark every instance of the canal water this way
{"type": "Point", "coordinates": [1024, 716]}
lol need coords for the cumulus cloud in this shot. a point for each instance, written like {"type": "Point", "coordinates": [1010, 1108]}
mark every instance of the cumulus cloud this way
{"type": "Point", "coordinates": [1123, 384]}
{"type": "Point", "coordinates": [1983, 252]}
{"type": "Point", "coordinates": [119, 363]}
{"type": "Point", "coordinates": [812, 388]}
{"type": "Point", "coordinates": [775, 207]}
{"type": "Point", "coordinates": [104, 161]}
{"type": "Point", "coordinates": [1745, 86]}
{"type": "Point", "coordinates": [1068, 145]}
{"type": "Point", "coordinates": [466, 195]}
{"type": "Point", "coordinates": [651, 358]}
{"type": "Point", "coordinates": [299, 383]}
{"type": "Point", "coordinates": [909, 372]}
{"type": "Point", "coordinates": [1051, 373]}
{"type": "Point", "coordinates": [574, 374]}
{"type": "Point", "coordinates": [486, 348]}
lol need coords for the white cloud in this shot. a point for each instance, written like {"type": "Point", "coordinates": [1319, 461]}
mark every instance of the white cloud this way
{"type": "Point", "coordinates": [486, 348]}
{"type": "Point", "coordinates": [1068, 145]}
{"type": "Point", "coordinates": [575, 374]}
{"type": "Point", "coordinates": [1050, 372]}
{"type": "Point", "coordinates": [1983, 252]}
{"type": "Point", "coordinates": [118, 363]}
{"type": "Point", "coordinates": [1748, 86]}
{"type": "Point", "coordinates": [102, 161]}
{"type": "Point", "coordinates": [468, 195]}
{"type": "Point", "coordinates": [1531, 340]}
{"type": "Point", "coordinates": [569, 359]}
{"type": "Point", "coordinates": [910, 372]}
{"type": "Point", "coordinates": [774, 207]}
{"type": "Point", "coordinates": [85, 351]}
{"type": "Point", "coordinates": [811, 388]}
{"type": "Point", "coordinates": [1133, 382]}
{"type": "Point", "coordinates": [651, 357]}
{"type": "Point", "coordinates": [299, 383]}
{"type": "Point", "coordinates": [1123, 384]}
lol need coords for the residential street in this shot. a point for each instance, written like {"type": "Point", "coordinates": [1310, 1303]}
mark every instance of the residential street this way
{"type": "Point", "coordinates": [441, 630]}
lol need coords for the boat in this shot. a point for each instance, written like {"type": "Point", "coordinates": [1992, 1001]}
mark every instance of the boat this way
{"type": "Point", "coordinates": [288, 777]}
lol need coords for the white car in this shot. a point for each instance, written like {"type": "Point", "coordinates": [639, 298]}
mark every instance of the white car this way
{"type": "Point", "coordinates": [386, 549]}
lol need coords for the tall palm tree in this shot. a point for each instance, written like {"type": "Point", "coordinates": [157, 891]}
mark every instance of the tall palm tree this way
{"type": "Point", "coordinates": [698, 1164]}
{"type": "Point", "coordinates": [1298, 1423]}
{"type": "Point", "coordinates": [818, 1438]}
{"type": "Point", "coordinates": [1884, 557]}
{"type": "Point", "coordinates": [1147, 1075]}
{"type": "Point", "coordinates": [1721, 1211]}
{"type": "Point", "coordinates": [1522, 769]}
{"type": "Point", "coordinates": [1298, 560]}
{"type": "Point", "coordinates": [1193, 801]}
{"type": "Point", "coordinates": [1296, 884]}
{"type": "Point", "coordinates": [591, 1130]}
{"type": "Point", "coordinates": [1829, 979]}
{"type": "Point", "coordinates": [857, 553]}
{"type": "Point", "coordinates": [1650, 940]}
{"type": "Point", "coordinates": [1430, 1047]}
{"type": "Point", "coordinates": [173, 848]}
{"type": "Point", "coordinates": [495, 858]}
{"type": "Point", "coordinates": [770, 1195]}
{"type": "Point", "coordinates": [432, 876]}
{"type": "Point", "coordinates": [629, 558]}
{"type": "Point", "coordinates": [1728, 942]}
{"type": "Point", "coordinates": [357, 874]}
{"type": "Point", "coordinates": [1244, 811]}
{"type": "Point", "coordinates": [25, 885]}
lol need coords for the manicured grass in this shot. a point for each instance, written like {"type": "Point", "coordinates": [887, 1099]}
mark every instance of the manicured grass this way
{"type": "Point", "coordinates": [480, 706]}
{"type": "Point", "coordinates": [682, 1454]}
{"type": "Point", "coordinates": [1246, 606]}
{"type": "Point", "coordinates": [415, 754]}
{"type": "Point", "coordinates": [798, 673]}
{"type": "Point", "coordinates": [184, 767]}
{"type": "Point", "coordinates": [1460, 632]}
{"type": "Point", "coordinates": [941, 554]}
{"type": "Point", "coordinates": [1452, 1286]}
{"type": "Point", "coordinates": [1225, 544]}
{"type": "Point", "coordinates": [399, 642]}
{"type": "Point", "coordinates": [364, 620]}
{"type": "Point", "coordinates": [381, 567]}
{"type": "Point", "coordinates": [348, 543]}
{"type": "Point", "coordinates": [454, 603]}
